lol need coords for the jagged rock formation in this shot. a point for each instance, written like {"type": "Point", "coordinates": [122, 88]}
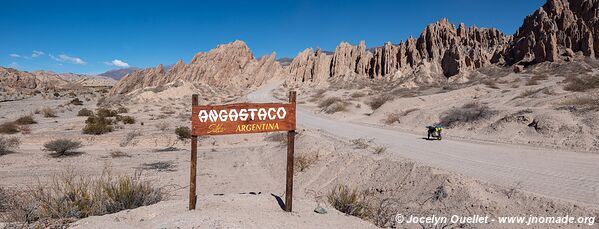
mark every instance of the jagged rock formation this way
{"type": "Point", "coordinates": [13, 80]}
{"type": "Point", "coordinates": [227, 66]}
{"type": "Point", "coordinates": [441, 48]}
{"type": "Point", "coordinates": [559, 27]}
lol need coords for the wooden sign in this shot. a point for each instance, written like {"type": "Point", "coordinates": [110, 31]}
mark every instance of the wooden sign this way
{"type": "Point", "coordinates": [243, 118]}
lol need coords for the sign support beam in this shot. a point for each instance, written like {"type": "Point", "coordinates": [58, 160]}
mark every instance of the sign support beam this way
{"type": "Point", "coordinates": [290, 159]}
{"type": "Point", "coordinates": [194, 163]}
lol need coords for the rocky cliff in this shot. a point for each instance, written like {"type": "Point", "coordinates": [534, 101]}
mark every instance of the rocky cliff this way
{"type": "Point", "coordinates": [13, 80]}
{"type": "Point", "coordinates": [557, 30]}
{"type": "Point", "coordinates": [442, 49]}
{"type": "Point", "coordinates": [227, 66]}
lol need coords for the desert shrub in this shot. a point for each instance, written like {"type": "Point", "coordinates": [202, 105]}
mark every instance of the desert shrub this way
{"type": "Point", "coordinates": [77, 196]}
{"type": "Point", "coordinates": [48, 112]}
{"type": "Point", "coordinates": [9, 128]}
{"type": "Point", "coordinates": [527, 93]}
{"type": "Point", "coordinates": [391, 118]}
{"type": "Point", "coordinates": [76, 102]}
{"type": "Point", "coordinates": [302, 162]}
{"type": "Point", "coordinates": [128, 120]}
{"type": "Point", "coordinates": [8, 144]}
{"type": "Point", "coordinates": [357, 94]}
{"type": "Point", "coordinates": [491, 84]}
{"type": "Point", "coordinates": [183, 133]}
{"type": "Point", "coordinates": [105, 112]}
{"type": "Point", "coordinates": [348, 201]}
{"type": "Point", "coordinates": [532, 81]}
{"type": "Point", "coordinates": [361, 143]}
{"type": "Point", "coordinates": [118, 153]}
{"type": "Point", "coordinates": [581, 84]}
{"type": "Point", "coordinates": [468, 113]}
{"type": "Point", "coordinates": [97, 125]}
{"type": "Point", "coordinates": [378, 101]}
{"type": "Point", "coordinates": [329, 101]}
{"type": "Point", "coordinates": [583, 103]}
{"type": "Point", "coordinates": [130, 138]}
{"type": "Point", "coordinates": [25, 120]}
{"type": "Point", "coordinates": [122, 110]}
{"type": "Point", "coordinates": [379, 149]}
{"type": "Point", "coordinates": [336, 107]}
{"type": "Point", "coordinates": [62, 147]}
{"type": "Point", "coordinates": [56, 94]}
{"type": "Point", "coordinates": [85, 112]}
{"type": "Point", "coordinates": [161, 166]}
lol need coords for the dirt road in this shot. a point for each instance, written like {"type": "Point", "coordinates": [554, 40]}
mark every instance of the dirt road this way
{"type": "Point", "coordinates": [571, 176]}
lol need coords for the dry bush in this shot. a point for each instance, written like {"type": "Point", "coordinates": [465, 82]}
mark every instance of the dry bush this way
{"type": "Point", "coordinates": [72, 196]}
{"type": "Point", "coordinates": [97, 125]}
{"type": "Point", "coordinates": [491, 84]}
{"type": "Point", "coordinates": [361, 143]}
{"type": "Point", "coordinates": [62, 147]}
{"type": "Point", "coordinates": [379, 149]}
{"type": "Point", "coordinates": [48, 112]}
{"type": "Point", "coordinates": [583, 103]}
{"type": "Point", "coordinates": [127, 119]}
{"type": "Point", "coordinates": [303, 162]}
{"type": "Point", "coordinates": [122, 110]}
{"type": "Point", "coordinates": [118, 154]}
{"type": "Point", "coordinates": [532, 81]}
{"type": "Point", "coordinates": [9, 144]}
{"type": "Point", "coordinates": [76, 102]}
{"type": "Point", "coordinates": [468, 113]}
{"type": "Point", "coordinates": [85, 112]}
{"type": "Point", "coordinates": [378, 101]}
{"type": "Point", "coordinates": [348, 201]}
{"type": "Point", "coordinates": [25, 120]}
{"type": "Point", "coordinates": [9, 128]}
{"type": "Point", "coordinates": [581, 84]}
{"type": "Point", "coordinates": [527, 93]}
{"type": "Point", "coordinates": [357, 95]}
{"type": "Point", "coordinates": [183, 133]}
{"type": "Point", "coordinates": [336, 107]}
{"type": "Point", "coordinates": [105, 112]}
{"type": "Point", "coordinates": [328, 102]}
{"type": "Point", "coordinates": [392, 118]}
{"type": "Point", "coordinates": [161, 166]}
{"type": "Point", "coordinates": [130, 139]}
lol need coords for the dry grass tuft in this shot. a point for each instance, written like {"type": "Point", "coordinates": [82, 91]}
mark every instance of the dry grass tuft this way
{"type": "Point", "coordinates": [392, 118]}
{"type": "Point", "coordinates": [118, 154]}
{"type": "Point", "coordinates": [348, 201]}
{"type": "Point", "coordinates": [9, 128]}
{"type": "Point", "coordinates": [25, 120]}
{"type": "Point", "coordinates": [48, 112]}
{"type": "Point", "coordinates": [581, 84]}
{"type": "Point", "coordinates": [378, 101]}
{"type": "Point", "coordinates": [303, 162]}
{"type": "Point", "coordinates": [72, 196]}
{"type": "Point", "coordinates": [85, 112]}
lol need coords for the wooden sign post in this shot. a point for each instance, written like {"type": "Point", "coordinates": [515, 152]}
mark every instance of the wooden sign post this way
{"type": "Point", "coordinates": [243, 118]}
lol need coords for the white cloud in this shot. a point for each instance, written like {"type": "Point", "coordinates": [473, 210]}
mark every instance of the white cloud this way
{"type": "Point", "coordinates": [15, 55]}
{"type": "Point", "coordinates": [118, 63]}
{"type": "Point", "coordinates": [36, 53]}
{"type": "Point", "coordinates": [69, 59]}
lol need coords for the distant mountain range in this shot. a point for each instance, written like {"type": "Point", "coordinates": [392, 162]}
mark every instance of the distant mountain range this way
{"type": "Point", "coordinates": [117, 74]}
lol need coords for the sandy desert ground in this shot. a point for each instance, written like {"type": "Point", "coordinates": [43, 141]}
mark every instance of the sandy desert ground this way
{"type": "Point", "coordinates": [240, 177]}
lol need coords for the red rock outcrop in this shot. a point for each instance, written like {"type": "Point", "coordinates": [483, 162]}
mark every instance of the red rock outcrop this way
{"type": "Point", "coordinates": [228, 66]}
{"type": "Point", "coordinates": [553, 29]}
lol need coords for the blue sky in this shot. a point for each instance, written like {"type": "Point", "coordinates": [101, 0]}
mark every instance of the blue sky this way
{"type": "Point", "coordinates": [94, 36]}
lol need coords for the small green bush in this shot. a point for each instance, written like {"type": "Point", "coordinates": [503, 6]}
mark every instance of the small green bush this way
{"type": "Point", "coordinates": [183, 132]}
{"type": "Point", "coordinates": [76, 102]}
{"type": "Point", "coordinates": [97, 125]}
{"type": "Point", "coordinates": [128, 120]}
{"type": "Point", "coordinates": [85, 112]}
{"type": "Point", "coordinates": [104, 112]}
